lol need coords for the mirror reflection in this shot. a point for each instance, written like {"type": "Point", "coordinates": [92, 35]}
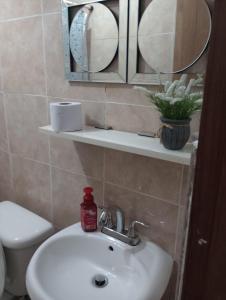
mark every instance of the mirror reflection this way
{"type": "Point", "coordinates": [94, 37]}
{"type": "Point", "coordinates": [173, 34]}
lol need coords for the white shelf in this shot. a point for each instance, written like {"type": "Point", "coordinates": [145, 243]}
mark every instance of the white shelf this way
{"type": "Point", "coordinates": [124, 141]}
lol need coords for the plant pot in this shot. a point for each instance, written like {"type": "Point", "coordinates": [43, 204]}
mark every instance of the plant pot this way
{"type": "Point", "coordinates": [175, 133]}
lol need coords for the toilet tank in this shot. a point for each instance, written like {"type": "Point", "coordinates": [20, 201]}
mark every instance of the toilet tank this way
{"type": "Point", "coordinates": [21, 233]}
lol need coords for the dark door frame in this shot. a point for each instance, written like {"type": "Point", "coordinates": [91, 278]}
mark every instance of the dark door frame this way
{"type": "Point", "coordinates": [205, 268]}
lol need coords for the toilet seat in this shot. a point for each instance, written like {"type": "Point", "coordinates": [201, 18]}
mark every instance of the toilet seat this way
{"type": "Point", "coordinates": [2, 270]}
{"type": "Point", "coordinates": [21, 232]}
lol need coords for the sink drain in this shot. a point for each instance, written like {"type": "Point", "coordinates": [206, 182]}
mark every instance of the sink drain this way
{"type": "Point", "coordinates": [100, 281]}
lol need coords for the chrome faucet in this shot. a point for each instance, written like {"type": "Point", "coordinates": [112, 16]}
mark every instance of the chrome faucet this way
{"type": "Point", "coordinates": [106, 219]}
{"type": "Point", "coordinates": [118, 230]}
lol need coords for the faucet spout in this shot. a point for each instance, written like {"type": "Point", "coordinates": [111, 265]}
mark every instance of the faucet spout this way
{"type": "Point", "coordinates": [120, 220]}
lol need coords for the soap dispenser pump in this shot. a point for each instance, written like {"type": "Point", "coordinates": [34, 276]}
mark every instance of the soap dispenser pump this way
{"type": "Point", "coordinates": [88, 211]}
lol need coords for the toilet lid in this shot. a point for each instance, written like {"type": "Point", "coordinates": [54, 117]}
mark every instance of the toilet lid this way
{"type": "Point", "coordinates": [2, 270]}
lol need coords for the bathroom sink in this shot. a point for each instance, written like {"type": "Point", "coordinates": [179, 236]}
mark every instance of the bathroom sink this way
{"type": "Point", "coordinates": [73, 265]}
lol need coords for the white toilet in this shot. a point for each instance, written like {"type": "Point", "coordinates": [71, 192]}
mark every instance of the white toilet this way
{"type": "Point", "coordinates": [21, 233]}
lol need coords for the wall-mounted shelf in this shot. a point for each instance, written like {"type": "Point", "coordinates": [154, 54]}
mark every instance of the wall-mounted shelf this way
{"type": "Point", "coordinates": [124, 141]}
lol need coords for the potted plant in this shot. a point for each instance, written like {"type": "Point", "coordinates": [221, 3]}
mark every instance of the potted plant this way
{"type": "Point", "coordinates": [176, 102]}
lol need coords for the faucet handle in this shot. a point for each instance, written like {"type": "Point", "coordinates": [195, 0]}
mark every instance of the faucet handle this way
{"type": "Point", "coordinates": [131, 230]}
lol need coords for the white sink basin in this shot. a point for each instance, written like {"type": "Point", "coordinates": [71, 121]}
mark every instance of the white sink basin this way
{"type": "Point", "coordinates": [66, 265]}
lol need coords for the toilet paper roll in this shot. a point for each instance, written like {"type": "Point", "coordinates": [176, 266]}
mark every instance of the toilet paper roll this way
{"type": "Point", "coordinates": [66, 116]}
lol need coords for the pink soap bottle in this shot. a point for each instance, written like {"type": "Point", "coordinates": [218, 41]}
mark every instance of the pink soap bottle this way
{"type": "Point", "coordinates": [88, 211]}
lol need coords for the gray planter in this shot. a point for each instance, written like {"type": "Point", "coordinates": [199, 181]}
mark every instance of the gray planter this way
{"type": "Point", "coordinates": [175, 133]}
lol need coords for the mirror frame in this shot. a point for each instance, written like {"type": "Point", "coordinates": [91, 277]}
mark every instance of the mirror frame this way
{"type": "Point", "coordinates": [148, 78]}
{"type": "Point", "coordinates": [103, 77]}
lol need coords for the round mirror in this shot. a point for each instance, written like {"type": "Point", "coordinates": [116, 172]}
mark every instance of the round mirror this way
{"type": "Point", "coordinates": [94, 37]}
{"type": "Point", "coordinates": [173, 34]}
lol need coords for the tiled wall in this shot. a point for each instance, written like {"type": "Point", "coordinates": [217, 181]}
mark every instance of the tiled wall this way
{"type": "Point", "coordinates": [47, 175]}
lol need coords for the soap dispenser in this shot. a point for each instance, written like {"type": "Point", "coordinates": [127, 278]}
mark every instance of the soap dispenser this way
{"type": "Point", "coordinates": [88, 211]}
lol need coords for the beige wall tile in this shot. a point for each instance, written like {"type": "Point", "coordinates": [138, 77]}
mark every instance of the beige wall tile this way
{"type": "Point", "coordinates": [58, 86]}
{"type": "Point", "coordinates": [185, 186]}
{"type": "Point", "coordinates": [20, 8]}
{"type": "Point", "coordinates": [93, 113]}
{"type": "Point", "coordinates": [132, 118]}
{"type": "Point", "coordinates": [151, 176]}
{"type": "Point", "coordinates": [1, 77]}
{"type": "Point", "coordinates": [25, 115]}
{"type": "Point", "coordinates": [5, 168]}
{"type": "Point", "coordinates": [78, 158]}
{"type": "Point", "coordinates": [3, 132]}
{"type": "Point", "coordinates": [32, 185]}
{"type": "Point", "coordinates": [5, 177]}
{"type": "Point", "coordinates": [181, 231]}
{"type": "Point", "coordinates": [22, 56]}
{"type": "Point", "coordinates": [7, 193]}
{"type": "Point", "coordinates": [160, 215]}
{"type": "Point", "coordinates": [68, 194]}
{"type": "Point", "coordinates": [51, 5]}
{"type": "Point", "coordinates": [120, 93]}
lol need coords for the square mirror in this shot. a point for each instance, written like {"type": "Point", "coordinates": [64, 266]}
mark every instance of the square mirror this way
{"type": "Point", "coordinates": [95, 40]}
{"type": "Point", "coordinates": [167, 37]}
